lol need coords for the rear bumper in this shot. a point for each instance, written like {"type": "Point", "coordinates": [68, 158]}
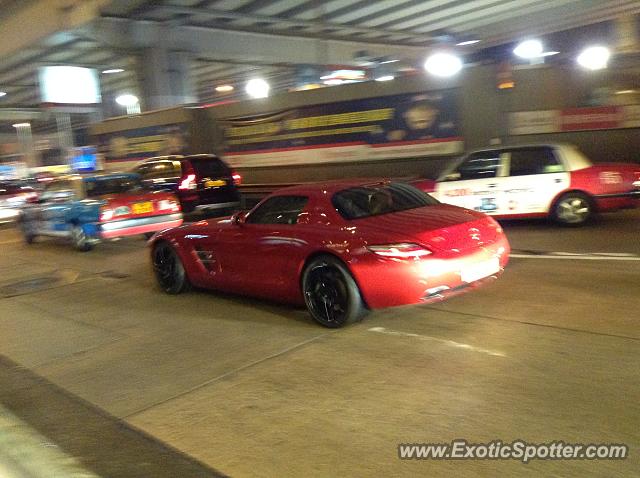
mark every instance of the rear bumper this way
{"type": "Point", "coordinates": [130, 227]}
{"type": "Point", "coordinates": [389, 283]}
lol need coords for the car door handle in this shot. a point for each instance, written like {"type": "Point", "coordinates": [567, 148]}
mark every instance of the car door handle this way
{"type": "Point", "coordinates": [491, 185]}
{"type": "Point", "coordinates": [558, 180]}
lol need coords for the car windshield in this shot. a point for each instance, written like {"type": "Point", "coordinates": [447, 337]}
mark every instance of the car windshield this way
{"type": "Point", "coordinates": [376, 199]}
{"type": "Point", "coordinates": [113, 185]}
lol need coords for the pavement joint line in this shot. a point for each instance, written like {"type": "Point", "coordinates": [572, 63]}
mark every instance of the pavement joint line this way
{"type": "Point", "coordinates": [451, 343]}
{"type": "Point", "coordinates": [26, 452]}
{"type": "Point", "coordinates": [568, 329]}
{"type": "Point", "coordinates": [227, 374]}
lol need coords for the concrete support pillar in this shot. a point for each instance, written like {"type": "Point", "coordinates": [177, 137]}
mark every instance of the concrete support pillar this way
{"type": "Point", "coordinates": [165, 78]}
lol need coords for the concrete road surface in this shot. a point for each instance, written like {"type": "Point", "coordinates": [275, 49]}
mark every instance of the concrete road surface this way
{"type": "Point", "coordinates": [218, 384]}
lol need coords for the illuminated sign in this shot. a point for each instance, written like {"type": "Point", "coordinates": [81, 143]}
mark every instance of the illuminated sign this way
{"type": "Point", "coordinates": [69, 85]}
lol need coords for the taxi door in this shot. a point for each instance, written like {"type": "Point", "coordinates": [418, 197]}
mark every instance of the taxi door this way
{"type": "Point", "coordinates": [535, 176]}
{"type": "Point", "coordinates": [477, 183]}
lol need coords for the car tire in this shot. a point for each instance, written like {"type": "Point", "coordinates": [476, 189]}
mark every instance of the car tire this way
{"type": "Point", "coordinates": [169, 270]}
{"type": "Point", "coordinates": [572, 209]}
{"type": "Point", "coordinates": [80, 240]}
{"type": "Point", "coordinates": [330, 293]}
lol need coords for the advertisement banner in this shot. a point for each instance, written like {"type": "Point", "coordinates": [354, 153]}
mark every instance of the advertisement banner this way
{"type": "Point", "coordinates": [574, 119]}
{"type": "Point", "coordinates": [408, 125]}
{"type": "Point", "coordinates": [137, 144]}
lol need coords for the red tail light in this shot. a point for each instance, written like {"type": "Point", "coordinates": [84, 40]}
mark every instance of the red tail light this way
{"type": "Point", "coordinates": [405, 250]}
{"type": "Point", "coordinates": [636, 181]}
{"type": "Point", "coordinates": [189, 182]}
{"type": "Point", "coordinates": [237, 178]}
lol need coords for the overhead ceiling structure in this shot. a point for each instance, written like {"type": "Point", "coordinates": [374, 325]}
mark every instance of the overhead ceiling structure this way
{"type": "Point", "coordinates": [231, 40]}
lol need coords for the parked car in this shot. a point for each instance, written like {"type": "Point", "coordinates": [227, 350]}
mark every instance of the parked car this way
{"type": "Point", "coordinates": [200, 181]}
{"type": "Point", "coordinates": [13, 196]}
{"type": "Point", "coordinates": [550, 180]}
{"type": "Point", "coordinates": [87, 209]}
{"type": "Point", "coordinates": [340, 248]}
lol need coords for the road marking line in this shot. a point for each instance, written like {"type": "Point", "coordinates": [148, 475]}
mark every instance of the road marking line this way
{"type": "Point", "coordinates": [576, 257]}
{"type": "Point", "coordinates": [451, 343]}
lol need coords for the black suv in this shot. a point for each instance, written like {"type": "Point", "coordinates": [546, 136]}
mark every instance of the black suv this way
{"type": "Point", "coordinates": [201, 181]}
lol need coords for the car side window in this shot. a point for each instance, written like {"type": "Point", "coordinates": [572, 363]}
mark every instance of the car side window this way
{"type": "Point", "coordinates": [480, 165]}
{"type": "Point", "coordinates": [527, 161]}
{"type": "Point", "coordinates": [278, 210]}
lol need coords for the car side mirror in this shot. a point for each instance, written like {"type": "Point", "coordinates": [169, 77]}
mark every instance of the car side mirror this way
{"type": "Point", "coordinates": [238, 218]}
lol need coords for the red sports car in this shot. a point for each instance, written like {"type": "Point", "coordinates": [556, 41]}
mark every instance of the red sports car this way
{"type": "Point", "coordinates": [340, 248]}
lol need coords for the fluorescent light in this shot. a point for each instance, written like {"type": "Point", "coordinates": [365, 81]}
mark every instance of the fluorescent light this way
{"type": "Point", "coordinates": [549, 53]}
{"type": "Point", "coordinates": [625, 92]}
{"type": "Point", "coordinates": [21, 125]}
{"type": "Point", "coordinates": [224, 88]}
{"type": "Point", "coordinates": [529, 49]}
{"type": "Point", "coordinates": [3, 93]}
{"type": "Point", "coordinates": [467, 42]}
{"type": "Point", "coordinates": [257, 88]}
{"type": "Point", "coordinates": [127, 100]}
{"type": "Point", "coordinates": [594, 57]}
{"type": "Point", "coordinates": [112, 70]}
{"type": "Point", "coordinates": [443, 64]}
{"type": "Point", "coordinates": [388, 61]}
{"type": "Point", "coordinates": [385, 78]}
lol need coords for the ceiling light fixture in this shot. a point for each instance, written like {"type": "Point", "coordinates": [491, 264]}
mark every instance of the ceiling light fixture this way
{"type": "Point", "coordinates": [467, 42]}
{"type": "Point", "coordinates": [529, 49]}
{"type": "Point", "coordinates": [594, 58]}
{"type": "Point", "coordinates": [258, 88]}
{"type": "Point", "coordinates": [224, 88]}
{"type": "Point", "coordinates": [443, 64]}
{"type": "Point", "coordinates": [112, 70]}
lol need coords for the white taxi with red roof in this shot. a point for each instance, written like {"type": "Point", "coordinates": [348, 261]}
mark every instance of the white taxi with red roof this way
{"type": "Point", "coordinates": [542, 180]}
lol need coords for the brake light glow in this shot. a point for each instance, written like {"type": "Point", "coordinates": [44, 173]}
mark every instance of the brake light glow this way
{"type": "Point", "coordinates": [405, 250]}
{"type": "Point", "coordinates": [636, 182]}
{"type": "Point", "coordinates": [189, 182]}
{"type": "Point", "coordinates": [237, 179]}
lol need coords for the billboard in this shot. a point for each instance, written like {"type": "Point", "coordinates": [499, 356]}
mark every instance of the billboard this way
{"type": "Point", "coordinates": [69, 85]}
{"type": "Point", "coordinates": [398, 126]}
{"type": "Point", "coordinates": [574, 119]}
{"type": "Point", "coordinates": [140, 143]}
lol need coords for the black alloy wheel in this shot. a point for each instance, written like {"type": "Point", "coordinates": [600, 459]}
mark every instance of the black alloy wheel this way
{"type": "Point", "coordinates": [330, 293]}
{"type": "Point", "coordinates": [169, 270]}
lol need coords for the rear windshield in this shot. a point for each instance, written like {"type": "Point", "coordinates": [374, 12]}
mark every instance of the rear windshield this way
{"type": "Point", "coordinates": [209, 167]}
{"type": "Point", "coordinates": [377, 199]}
{"type": "Point", "coordinates": [113, 185]}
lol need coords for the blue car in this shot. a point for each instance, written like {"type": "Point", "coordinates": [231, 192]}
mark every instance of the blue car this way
{"type": "Point", "coordinates": [88, 209]}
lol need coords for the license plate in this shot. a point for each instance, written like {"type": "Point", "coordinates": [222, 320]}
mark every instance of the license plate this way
{"type": "Point", "coordinates": [480, 270]}
{"type": "Point", "coordinates": [215, 183]}
{"type": "Point", "coordinates": [142, 207]}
